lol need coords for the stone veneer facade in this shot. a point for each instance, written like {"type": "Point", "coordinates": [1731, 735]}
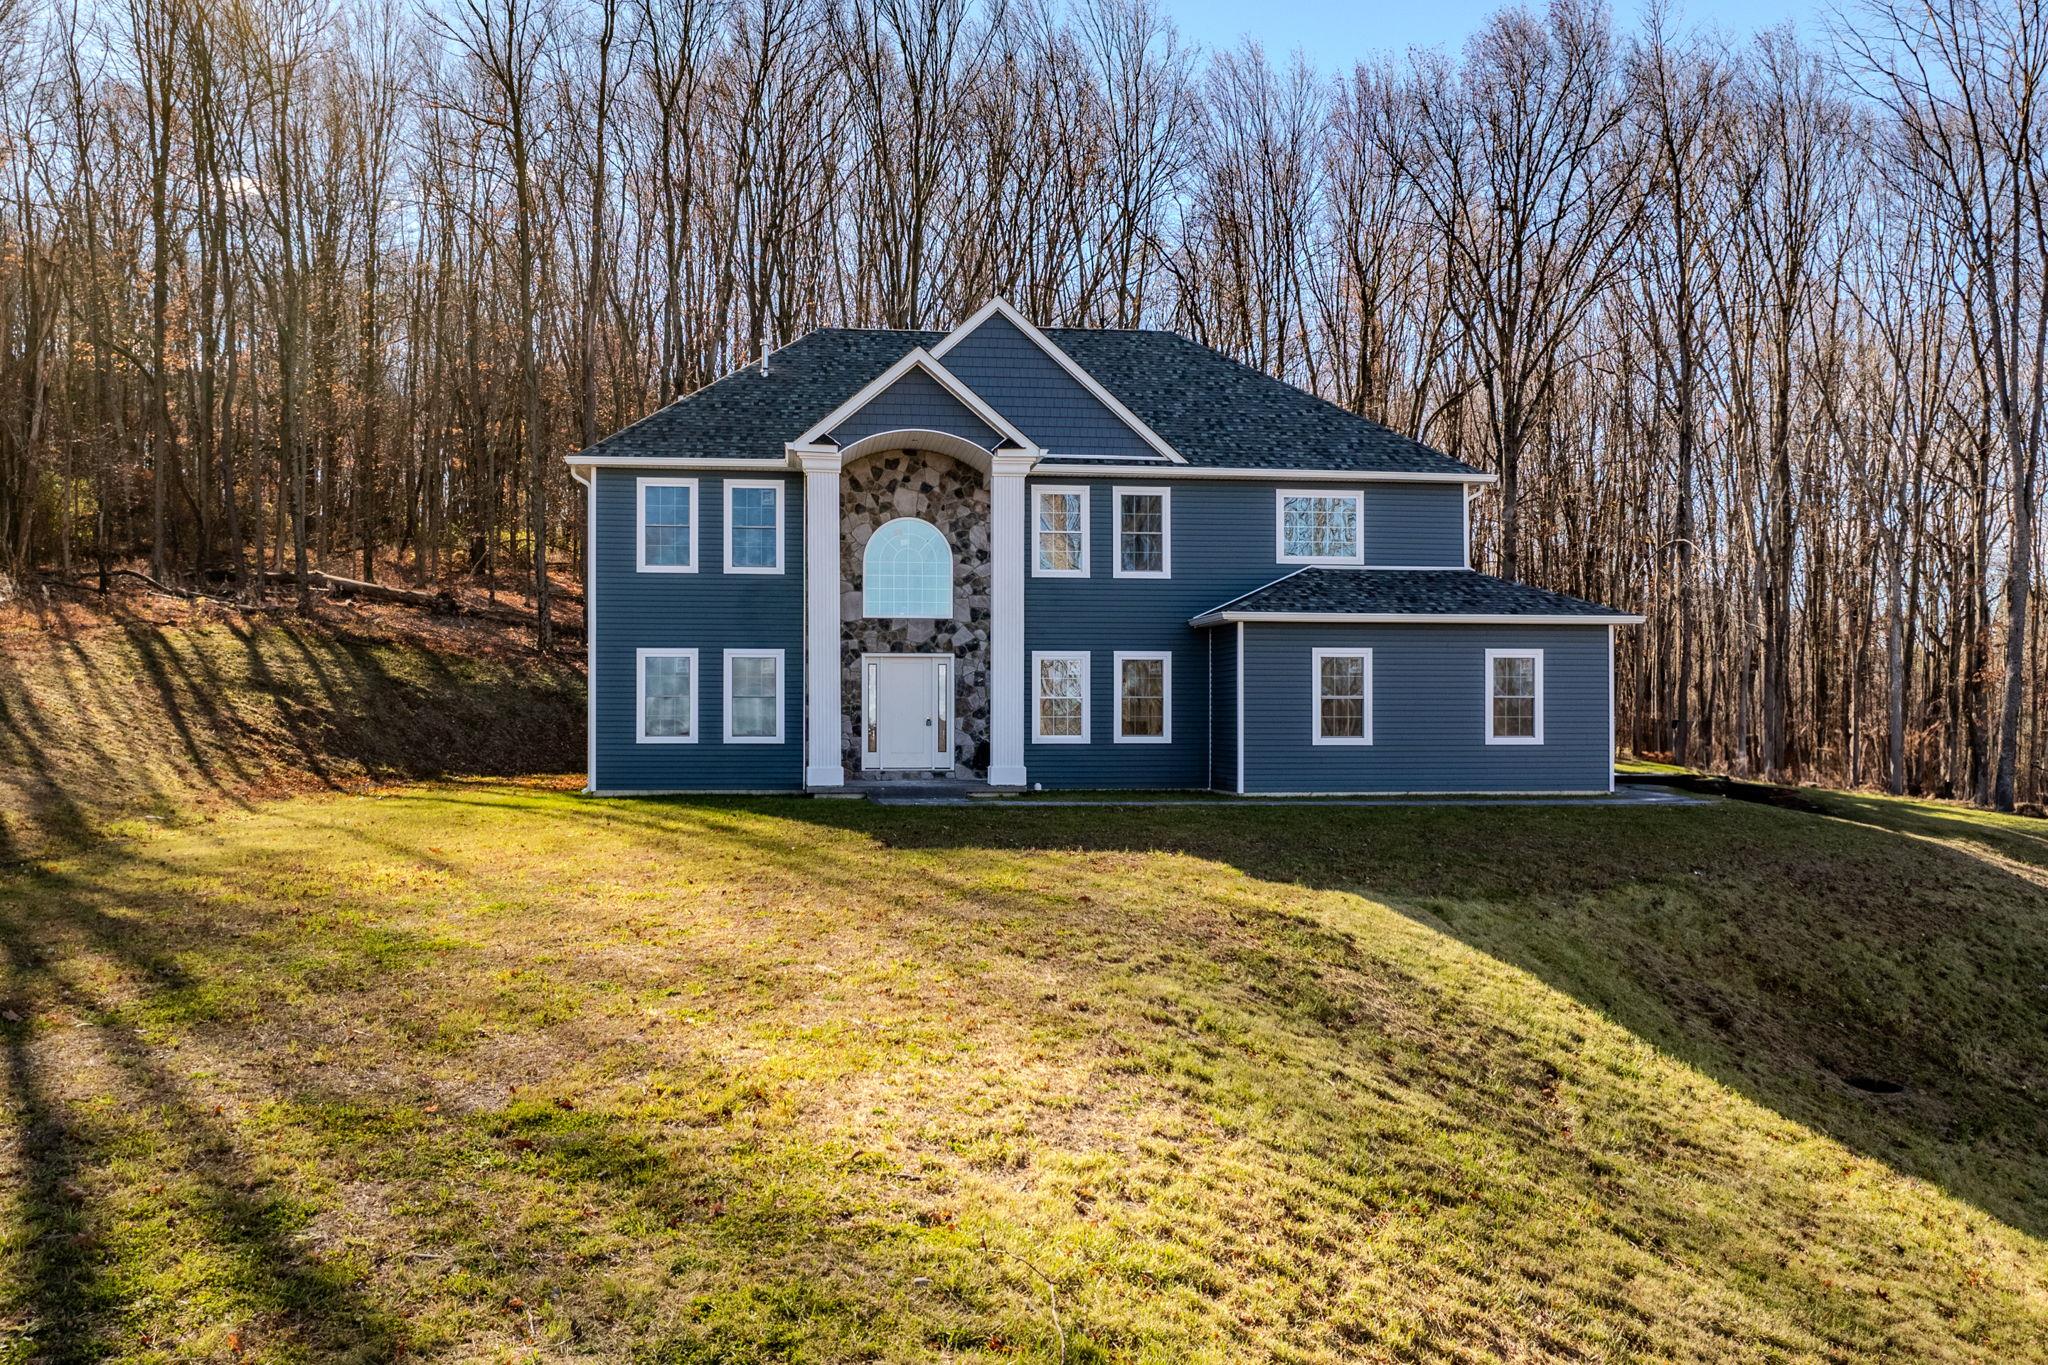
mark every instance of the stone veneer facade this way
{"type": "Point", "coordinates": [953, 497]}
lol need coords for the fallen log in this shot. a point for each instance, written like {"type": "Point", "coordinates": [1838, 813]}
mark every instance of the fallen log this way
{"type": "Point", "coordinates": [344, 588]}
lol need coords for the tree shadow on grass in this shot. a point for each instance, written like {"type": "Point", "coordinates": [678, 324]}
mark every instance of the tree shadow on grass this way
{"type": "Point", "coordinates": [1808, 963]}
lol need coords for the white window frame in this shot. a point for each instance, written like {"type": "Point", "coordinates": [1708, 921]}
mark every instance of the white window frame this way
{"type": "Point", "coordinates": [640, 524]}
{"type": "Point", "coordinates": [640, 658]}
{"type": "Point", "coordinates": [781, 696]}
{"type": "Point", "coordinates": [734, 485]}
{"type": "Point", "coordinates": [1315, 688]}
{"type": "Point", "coordinates": [1040, 492]}
{"type": "Point", "coordinates": [1165, 496]}
{"type": "Point", "coordinates": [1280, 497]}
{"type": "Point", "coordinates": [1487, 719]}
{"type": "Point", "coordinates": [1165, 735]}
{"type": "Point", "coordinates": [1038, 735]}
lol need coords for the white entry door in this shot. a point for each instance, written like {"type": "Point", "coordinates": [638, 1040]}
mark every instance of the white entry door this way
{"type": "Point", "coordinates": [907, 711]}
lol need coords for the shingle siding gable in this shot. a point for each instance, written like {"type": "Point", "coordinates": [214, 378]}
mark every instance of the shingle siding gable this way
{"type": "Point", "coordinates": [1018, 379]}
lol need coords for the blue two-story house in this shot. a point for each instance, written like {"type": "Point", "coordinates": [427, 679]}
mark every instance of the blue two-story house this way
{"type": "Point", "coordinates": [1061, 558]}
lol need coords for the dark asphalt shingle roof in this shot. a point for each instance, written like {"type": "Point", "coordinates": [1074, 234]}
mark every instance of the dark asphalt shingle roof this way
{"type": "Point", "coordinates": [1210, 408]}
{"type": "Point", "coordinates": [1405, 592]}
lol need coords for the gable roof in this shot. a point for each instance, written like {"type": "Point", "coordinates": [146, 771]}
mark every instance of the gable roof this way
{"type": "Point", "coordinates": [1212, 410]}
{"type": "Point", "coordinates": [914, 393]}
{"type": "Point", "coordinates": [1344, 594]}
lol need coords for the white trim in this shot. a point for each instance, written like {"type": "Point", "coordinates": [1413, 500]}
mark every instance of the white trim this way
{"type": "Point", "coordinates": [1610, 710]}
{"type": "Point", "coordinates": [1487, 728]}
{"type": "Point", "coordinates": [1040, 490]}
{"type": "Point", "coordinates": [1066, 362]}
{"type": "Point", "coordinates": [640, 487]}
{"type": "Point", "coordinates": [776, 486]}
{"type": "Point", "coordinates": [1008, 545]}
{"type": "Point", "coordinates": [1216, 618]}
{"type": "Point", "coordinates": [1315, 694]}
{"type": "Point", "coordinates": [1157, 469]}
{"type": "Point", "coordinates": [1165, 735]}
{"type": "Point", "coordinates": [589, 482]}
{"type": "Point", "coordinates": [640, 658]}
{"type": "Point", "coordinates": [824, 765]}
{"type": "Point", "coordinates": [780, 695]}
{"type": "Point", "coordinates": [1240, 708]}
{"type": "Point", "coordinates": [1280, 497]}
{"type": "Point", "coordinates": [1116, 527]}
{"type": "Point", "coordinates": [1038, 735]}
{"type": "Point", "coordinates": [917, 359]}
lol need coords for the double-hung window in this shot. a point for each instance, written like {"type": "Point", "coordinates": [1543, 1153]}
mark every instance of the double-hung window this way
{"type": "Point", "coordinates": [1514, 696]}
{"type": "Point", "coordinates": [1144, 519]}
{"type": "Point", "coordinates": [753, 696]}
{"type": "Point", "coordinates": [1343, 696]}
{"type": "Point", "coordinates": [1059, 532]}
{"type": "Point", "coordinates": [1319, 526]}
{"type": "Point", "coordinates": [1060, 702]}
{"type": "Point", "coordinates": [666, 520]}
{"type": "Point", "coordinates": [1144, 698]}
{"type": "Point", "coordinates": [665, 704]}
{"type": "Point", "coordinates": [753, 526]}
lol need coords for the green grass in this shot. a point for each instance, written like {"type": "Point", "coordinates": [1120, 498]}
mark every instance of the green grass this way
{"type": "Point", "coordinates": [488, 1071]}
{"type": "Point", "coordinates": [110, 717]}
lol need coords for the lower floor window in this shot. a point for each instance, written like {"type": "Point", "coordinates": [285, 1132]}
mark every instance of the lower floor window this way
{"type": "Point", "coordinates": [1514, 696]}
{"type": "Point", "coordinates": [1144, 698]}
{"type": "Point", "coordinates": [667, 702]}
{"type": "Point", "coordinates": [753, 696]}
{"type": "Point", "coordinates": [1060, 714]}
{"type": "Point", "coordinates": [1343, 683]}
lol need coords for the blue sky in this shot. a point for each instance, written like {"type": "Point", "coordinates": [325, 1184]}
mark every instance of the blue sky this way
{"type": "Point", "coordinates": [1336, 33]}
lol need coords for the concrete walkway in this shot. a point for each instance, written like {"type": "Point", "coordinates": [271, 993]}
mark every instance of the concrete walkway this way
{"type": "Point", "coordinates": [1633, 795]}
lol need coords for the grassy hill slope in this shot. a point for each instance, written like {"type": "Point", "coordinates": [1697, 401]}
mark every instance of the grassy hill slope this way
{"type": "Point", "coordinates": [489, 1071]}
{"type": "Point", "coordinates": [153, 709]}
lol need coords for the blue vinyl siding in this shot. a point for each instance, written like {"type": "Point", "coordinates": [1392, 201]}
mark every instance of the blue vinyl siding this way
{"type": "Point", "coordinates": [709, 611]}
{"type": "Point", "coordinates": [1223, 545]}
{"type": "Point", "coordinates": [1429, 711]}
{"type": "Point", "coordinates": [1030, 388]}
{"type": "Point", "coordinates": [917, 402]}
{"type": "Point", "coordinates": [1223, 708]}
{"type": "Point", "coordinates": [1415, 525]}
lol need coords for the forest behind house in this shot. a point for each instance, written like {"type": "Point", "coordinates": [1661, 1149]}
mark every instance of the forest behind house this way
{"type": "Point", "coordinates": [1752, 328]}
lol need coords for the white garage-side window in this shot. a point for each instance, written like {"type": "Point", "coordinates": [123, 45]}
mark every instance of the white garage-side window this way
{"type": "Point", "coordinates": [753, 696]}
{"type": "Point", "coordinates": [1144, 526]}
{"type": "Point", "coordinates": [1060, 709]}
{"type": "Point", "coordinates": [1514, 696]}
{"type": "Point", "coordinates": [1144, 698]}
{"type": "Point", "coordinates": [1343, 696]}
{"type": "Point", "coordinates": [666, 696]}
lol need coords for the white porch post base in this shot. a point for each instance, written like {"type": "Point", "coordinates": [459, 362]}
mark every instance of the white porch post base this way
{"type": "Point", "coordinates": [1006, 610]}
{"type": "Point", "coordinates": [823, 715]}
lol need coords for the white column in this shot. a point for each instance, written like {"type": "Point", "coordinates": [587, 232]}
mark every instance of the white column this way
{"type": "Point", "coordinates": [823, 766]}
{"type": "Point", "coordinates": [1006, 681]}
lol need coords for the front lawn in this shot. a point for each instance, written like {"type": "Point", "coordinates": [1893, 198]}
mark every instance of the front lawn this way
{"type": "Point", "coordinates": [494, 1071]}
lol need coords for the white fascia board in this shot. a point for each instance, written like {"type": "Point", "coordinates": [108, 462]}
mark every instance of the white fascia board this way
{"type": "Point", "coordinates": [575, 462]}
{"type": "Point", "coordinates": [1338, 618]}
{"type": "Point", "coordinates": [1289, 473]}
{"type": "Point", "coordinates": [1001, 306]}
{"type": "Point", "coordinates": [917, 359]}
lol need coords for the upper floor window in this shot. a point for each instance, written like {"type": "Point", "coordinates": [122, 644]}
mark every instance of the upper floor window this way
{"type": "Point", "coordinates": [1514, 696]}
{"type": "Point", "coordinates": [907, 570]}
{"type": "Point", "coordinates": [667, 526]}
{"type": "Point", "coordinates": [1320, 526]}
{"type": "Point", "coordinates": [753, 527]}
{"type": "Point", "coordinates": [1343, 681]}
{"type": "Point", "coordinates": [1059, 532]}
{"type": "Point", "coordinates": [1143, 526]}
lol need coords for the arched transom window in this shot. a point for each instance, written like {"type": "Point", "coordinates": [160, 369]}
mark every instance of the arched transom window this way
{"type": "Point", "coordinates": [907, 571]}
